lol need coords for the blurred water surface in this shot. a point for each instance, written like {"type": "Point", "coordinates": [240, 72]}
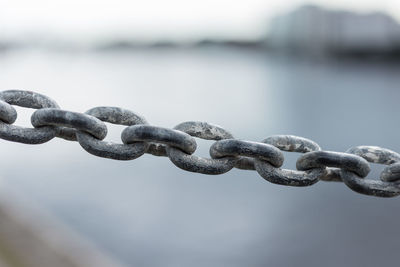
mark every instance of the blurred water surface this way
{"type": "Point", "coordinates": [147, 212]}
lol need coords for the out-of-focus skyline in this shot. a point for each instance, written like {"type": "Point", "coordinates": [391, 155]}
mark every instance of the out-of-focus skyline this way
{"type": "Point", "coordinates": [85, 20]}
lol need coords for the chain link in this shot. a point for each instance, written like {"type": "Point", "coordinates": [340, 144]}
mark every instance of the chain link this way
{"type": "Point", "coordinates": [112, 150]}
{"type": "Point", "coordinates": [178, 144]}
{"type": "Point", "coordinates": [377, 188]}
{"type": "Point", "coordinates": [291, 143]}
{"type": "Point", "coordinates": [194, 163]}
{"type": "Point", "coordinates": [26, 99]}
{"type": "Point", "coordinates": [160, 136]}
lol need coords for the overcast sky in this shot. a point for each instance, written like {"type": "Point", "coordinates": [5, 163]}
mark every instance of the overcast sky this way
{"type": "Point", "coordinates": [151, 19]}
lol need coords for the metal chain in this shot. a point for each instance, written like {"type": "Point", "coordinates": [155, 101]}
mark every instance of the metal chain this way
{"type": "Point", "coordinates": [178, 144]}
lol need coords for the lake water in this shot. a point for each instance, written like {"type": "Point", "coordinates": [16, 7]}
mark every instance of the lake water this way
{"type": "Point", "coordinates": [147, 212]}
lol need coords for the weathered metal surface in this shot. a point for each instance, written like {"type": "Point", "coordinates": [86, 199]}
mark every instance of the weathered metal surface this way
{"type": "Point", "coordinates": [195, 163]}
{"type": "Point", "coordinates": [179, 144]}
{"type": "Point", "coordinates": [26, 135]}
{"type": "Point", "coordinates": [117, 115]}
{"type": "Point", "coordinates": [158, 150]}
{"type": "Point", "coordinates": [391, 173]}
{"type": "Point", "coordinates": [367, 186]}
{"type": "Point", "coordinates": [288, 177]}
{"type": "Point", "coordinates": [292, 143]}
{"type": "Point", "coordinates": [281, 176]}
{"type": "Point", "coordinates": [75, 120]}
{"type": "Point", "coordinates": [245, 163]}
{"type": "Point", "coordinates": [234, 147]}
{"type": "Point", "coordinates": [8, 115]}
{"type": "Point", "coordinates": [204, 130]}
{"type": "Point", "coordinates": [320, 159]}
{"type": "Point", "coordinates": [375, 154]}
{"type": "Point", "coordinates": [27, 99]}
{"type": "Point", "coordinates": [113, 150]}
{"type": "Point", "coordinates": [155, 134]}
{"type": "Point", "coordinates": [66, 133]}
{"type": "Point", "coordinates": [332, 175]}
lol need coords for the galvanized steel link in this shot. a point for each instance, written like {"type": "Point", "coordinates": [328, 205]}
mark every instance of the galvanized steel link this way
{"type": "Point", "coordinates": [370, 187]}
{"type": "Point", "coordinates": [112, 150]}
{"type": "Point", "coordinates": [195, 163]}
{"type": "Point", "coordinates": [375, 154]}
{"type": "Point", "coordinates": [234, 147]}
{"type": "Point", "coordinates": [318, 159]}
{"type": "Point", "coordinates": [27, 99]}
{"type": "Point", "coordinates": [391, 173]}
{"type": "Point", "coordinates": [75, 120]}
{"type": "Point", "coordinates": [380, 155]}
{"type": "Point", "coordinates": [155, 134]}
{"type": "Point", "coordinates": [280, 176]}
{"type": "Point", "coordinates": [8, 115]}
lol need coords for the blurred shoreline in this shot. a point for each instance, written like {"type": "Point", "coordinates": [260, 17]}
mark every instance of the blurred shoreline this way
{"type": "Point", "coordinates": [260, 47]}
{"type": "Point", "coordinates": [307, 31]}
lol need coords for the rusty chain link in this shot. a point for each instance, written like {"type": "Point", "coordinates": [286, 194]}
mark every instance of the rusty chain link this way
{"type": "Point", "coordinates": [178, 144]}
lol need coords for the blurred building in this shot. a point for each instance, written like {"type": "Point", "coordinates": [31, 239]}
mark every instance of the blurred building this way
{"type": "Point", "coordinates": [315, 30]}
